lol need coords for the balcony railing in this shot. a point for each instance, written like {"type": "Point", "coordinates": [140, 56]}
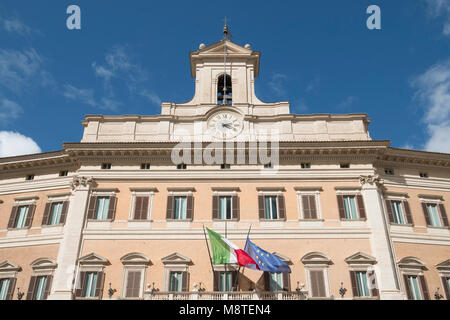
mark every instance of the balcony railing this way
{"type": "Point", "coordinates": [239, 295]}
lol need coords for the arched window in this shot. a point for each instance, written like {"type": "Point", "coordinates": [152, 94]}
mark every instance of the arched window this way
{"type": "Point", "coordinates": [224, 90]}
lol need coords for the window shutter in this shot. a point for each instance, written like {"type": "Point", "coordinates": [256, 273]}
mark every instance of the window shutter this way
{"type": "Point", "coordinates": [144, 208]}
{"type": "Point", "coordinates": [12, 217]}
{"type": "Point", "coordinates": [286, 282]}
{"type": "Point", "coordinates": [12, 286]}
{"type": "Point", "coordinates": [313, 279]}
{"type": "Point", "coordinates": [362, 210]}
{"type": "Point", "coordinates": [169, 212]}
{"type": "Point", "coordinates": [216, 280]}
{"type": "Point", "coordinates": [185, 281]}
{"type": "Point", "coordinates": [340, 200]}
{"type": "Point", "coordinates": [236, 207]}
{"type": "Point", "coordinates": [423, 284]}
{"type": "Point", "coordinates": [446, 288]}
{"type": "Point", "coordinates": [266, 276]}
{"type": "Point", "coordinates": [82, 281]}
{"type": "Point", "coordinates": [281, 207]}
{"type": "Point", "coordinates": [64, 211]}
{"type": "Point", "coordinates": [389, 211]}
{"type": "Point", "coordinates": [261, 206]}
{"type": "Point", "coordinates": [46, 216]}
{"type": "Point", "coordinates": [407, 288]}
{"type": "Point", "coordinates": [31, 288]}
{"type": "Point", "coordinates": [234, 280]}
{"type": "Point", "coordinates": [409, 218]}
{"type": "Point", "coordinates": [30, 215]}
{"type": "Point", "coordinates": [137, 208]}
{"type": "Point", "coordinates": [306, 207]}
{"type": "Point", "coordinates": [133, 284]}
{"type": "Point", "coordinates": [425, 212]}
{"type": "Point", "coordinates": [137, 284]}
{"type": "Point", "coordinates": [443, 215]}
{"type": "Point", "coordinates": [317, 284]}
{"type": "Point", "coordinates": [99, 285]}
{"type": "Point", "coordinates": [312, 207]}
{"type": "Point", "coordinates": [215, 207]}
{"type": "Point", "coordinates": [92, 207]}
{"type": "Point", "coordinates": [48, 287]}
{"type": "Point", "coordinates": [190, 207]}
{"type": "Point", "coordinates": [374, 289]}
{"type": "Point", "coordinates": [112, 207]}
{"type": "Point", "coordinates": [354, 286]}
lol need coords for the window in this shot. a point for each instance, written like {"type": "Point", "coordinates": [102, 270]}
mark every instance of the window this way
{"type": "Point", "coordinates": [63, 173]}
{"type": "Point", "coordinates": [179, 210]}
{"type": "Point", "coordinates": [308, 207]}
{"type": "Point", "coordinates": [39, 287]}
{"type": "Point", "coordinates": [135, 265]}
{"type": "Point", "coordinates": [317, 281]}
{"type": "Point", "coordinates": [268, 166]}
{"type": "Point", "coordinates": [351, 207]}
{"type": "Point", "coordinates": [90, 284]}
{"type": "Point", "coordinates": [4, 288]}
{"type": "Point", "coordinates": [141, 208]}
{"type": "Point", "coordinates": [21, 217]}
{"type": "Point", "coordinates": [362, 275]}
{"type": "Point", "coordinates": [225, 166]}
{"type": "Point", "coordinates": [224, 90]}
{"type": "Point", "coordinates": [306, 165]}
{"type": "Point", "coordinates": [176, 281]}
{"type": "Point", "coordinates": [29, 177]}
{"type": "Point", "coordinates": [145, 166]}
{"type": "Point", "coordinates": [102, 208]}
{"type": "Point", "coordinates": [226, 281]}
{"type": "Point", "coordinates": [133, 286]}
{"type": "Point", "coordinates": [41, 284]}
{"type": "Point", "coordinates": [270, 207]}
{"type": "Point", "coordinates": [345, 165]}
{"type": "Point", "coordinates": [423, 175]}
{"type": "Point", "coordinates": [397, 212]}
{"type": "Point", "coordinates": [446, 286]}
{"type": "Point", "coordinates": [225, 208]}
{"type": "Point", "coordinates": [413, 279]}
{"type": "Point", "coordinates": [389, 172]}
{"type": "Point", "coordinates": [181, 166]}
{"type": "Point", "coordinates": [361, 282]}
{"type": "Point", "coordinates": [90, 281]}
{"type": "Point", "coordinates": [276, 281]}
{"type": "Point", "coordinates": [55, 213]}
{"type": "Point", "coordinates": [433, 215]}
{"type": "Point", "coordinates": [106, 166]}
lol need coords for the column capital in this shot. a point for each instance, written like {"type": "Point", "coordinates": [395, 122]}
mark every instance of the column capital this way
{"type": "Point", "coordinates": [82, 183]}
{"type": "Point", "coordinates": [371, 181]}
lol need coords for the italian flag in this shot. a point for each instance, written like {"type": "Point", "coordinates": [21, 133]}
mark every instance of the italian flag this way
{"type": "Point", "coordinates": [224, 251]}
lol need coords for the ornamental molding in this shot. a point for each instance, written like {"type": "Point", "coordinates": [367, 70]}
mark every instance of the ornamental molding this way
{"type": "Point", "coordinates": [371, 180]}
{"type": "Point", "coordinates": [86, 182]}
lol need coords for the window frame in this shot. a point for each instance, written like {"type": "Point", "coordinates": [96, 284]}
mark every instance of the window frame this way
{"type": "Point", "coordinates": [316, 194]}
{"type": "Point", "coordinates": [134, 262]}
{"type": "Point", "coordinates": [355, 193]}
{"type": "Point", "coordinates": [317, 261]}
{"type": "Point", "coordinates": [141, 193]}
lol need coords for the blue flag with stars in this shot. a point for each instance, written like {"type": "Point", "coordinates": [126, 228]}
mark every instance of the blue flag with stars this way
{"type": "Point", "coordinates": [265, 260]}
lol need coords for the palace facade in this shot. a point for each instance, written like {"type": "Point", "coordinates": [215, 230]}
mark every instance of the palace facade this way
{"type": "Point", "coordinates": [121, 213]}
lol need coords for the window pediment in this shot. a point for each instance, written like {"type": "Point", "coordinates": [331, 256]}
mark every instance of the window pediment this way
{"type": "Point", "coordinates": [412, 263]}
{"type": "Point", "coordinates": [135, 258]}
{"type": "Point", "coordinates": [176, 258]}
{"type": "Point", "coordinates": [316, 258]}
{"type": "Point", "coordinates": [93, 259]}
{"type": "Point", "coordinates": [8, 266]}
{"type": "Point", "coordinates": [43, 264]}
{"type": "Point", "coordinates": [360, 258]}
{"type": "Point", "coordinates": [444, 266]}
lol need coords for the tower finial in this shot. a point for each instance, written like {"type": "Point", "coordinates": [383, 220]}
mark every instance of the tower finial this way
{"type": "Point", "coordinates": [226, 31]}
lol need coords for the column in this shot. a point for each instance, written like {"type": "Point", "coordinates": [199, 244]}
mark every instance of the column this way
{"type": "Point", "coordinates": [69, 249]}
{"type": "Point", "coordinates": [382, 249]}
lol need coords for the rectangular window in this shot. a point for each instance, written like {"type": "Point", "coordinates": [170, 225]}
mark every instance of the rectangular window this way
{"type": "Point", "coordinates": [361, 282]}
{"type": "Point", "coordinates": [29, 177]}
{"type": "Point", "coordinates": [225, 208]}
{"type": "Point", "coordinates": [423, 175]}
{"type": "Point", "coordinates": [176, 281]}
{"type": "Point", "coordinates": [63, 173]}
{"type": "Point", "coordinates": [397, 212]}
{"type": "Point", "coordinates": [389, 172]}
{"type": "Point", "coordinates": [4, 286]}
{"type": "Point", "coordinates": [345, 165]}
{"type": "Point", "coordinates": [106, 166]}
{"type": "Point", "coordinates": [268, 166]}
{"type": "Point", "coordinates": [350, 207]}
{"type": "Point", "coordinates": [41, 285]}
{"type": "Point", "coordinates": [414, 288]}
{"type": "Point", "coordinates": [309, 206]}
{"type": "Point", "coordinates": [276, 281]}
{"type": "Point", "coordinates": [181, 166]}
{"type": "Point", "coordinates": [226, 281]}
{"type": "Point", "coordinates": [102, 208]}
{"type": "Point", "coordinates": [306, 165]}
{"type": "Point", "coordinates": [179, 210]}
{"type": "Point", "coordinates": [271, 207]}
{"type": "Point", "coordinates": [90, 284]}
{"type": "Point", "coordinates": [145, 166]}
{"type": "Point", "coordinates": [22, 213]}
{"type": "Point", "coordinates": [225, 166]}
{"type": "Point", "coordinates": [141, 206]}
{"type": "Point", "coordinates": [433, 213]}
{"type": "Point", "coordinates": [55, 213]}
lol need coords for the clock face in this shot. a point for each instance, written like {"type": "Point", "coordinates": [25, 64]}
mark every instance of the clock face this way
{"type": "Point", "coordinates": [225, 125]}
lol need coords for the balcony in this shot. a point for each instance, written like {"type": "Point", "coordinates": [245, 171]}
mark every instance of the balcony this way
{"type": "Point", "coordinates": [240, 295]}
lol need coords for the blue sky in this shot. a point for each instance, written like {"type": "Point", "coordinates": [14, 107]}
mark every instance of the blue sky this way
{"type": "Point", "coordinates": [131, 55]}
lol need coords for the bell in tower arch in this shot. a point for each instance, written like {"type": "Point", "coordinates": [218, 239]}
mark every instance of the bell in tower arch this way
{"type": "Point", "coordinates": [224, 90]}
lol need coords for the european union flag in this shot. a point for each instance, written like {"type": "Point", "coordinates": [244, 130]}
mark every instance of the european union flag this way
{"type": "Point", "coordinates": [265, 260]}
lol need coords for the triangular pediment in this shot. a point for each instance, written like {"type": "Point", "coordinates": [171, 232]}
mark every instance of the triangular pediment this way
{"type": "Point", "coordinates": [443, 266]}
{"type": "Point", "coordinates": [176, 258]}
{"type": "Point", "coordinates": [360, 257]}
{"type": "Point", "coordinates": [94, 259]}
{"type": "Point", "coordinates": [218, 48]}
{"type": "Point", "coordinates": [7, 266]}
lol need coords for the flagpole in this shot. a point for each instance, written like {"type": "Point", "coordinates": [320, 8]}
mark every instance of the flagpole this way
{"type": "Point", "coordinates": [209, 253]}
{"type": "Point", "coordinates": [243, 270]}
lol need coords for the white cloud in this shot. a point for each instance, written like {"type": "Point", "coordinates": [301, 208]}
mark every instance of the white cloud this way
{"type": "Point", "coordinates": [16, 144]}
{"type": "Point", "coordinates": [9, 110]}
{"type": "Point", "coordinates": [433, 92]}
{"type": "Point", "coordinates": [86, 96]}
{"type": "Point", "coordinates": [151, 96]}
{"type": "Point", "coordinates": [15, 25]}
{"type": "Point", "coordinates": [441, 8]}
{"type": "Point", "coordinates": [347, 102]}
{"type": "Point", "coordinates": [276, 83]}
